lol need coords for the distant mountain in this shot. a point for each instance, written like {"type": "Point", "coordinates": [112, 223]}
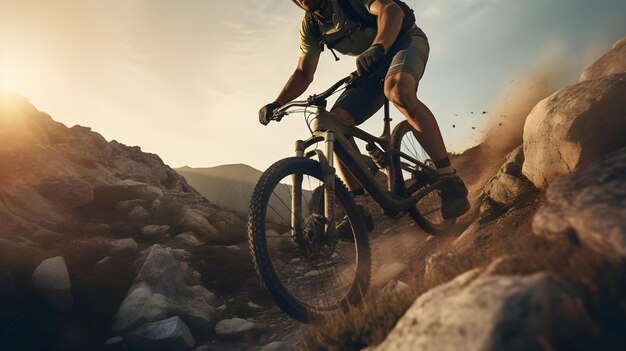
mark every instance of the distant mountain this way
{"type": "Point", "coordinates": [229, 186]}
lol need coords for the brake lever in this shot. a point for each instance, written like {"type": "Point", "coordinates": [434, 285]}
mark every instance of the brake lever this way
{"type": "Point", "coordinates": [277, 116]}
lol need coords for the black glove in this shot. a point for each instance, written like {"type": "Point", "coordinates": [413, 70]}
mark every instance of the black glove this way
{"type": "Point", "coordinates": [370, 59]}
{"type": "Point", "coordinates": [266, 112]}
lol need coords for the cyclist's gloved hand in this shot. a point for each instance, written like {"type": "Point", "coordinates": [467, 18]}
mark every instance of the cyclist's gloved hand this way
{"type": "Point", "coordinates": [266, 112]}
{"type": "Point", "coordinates": [370, 59]}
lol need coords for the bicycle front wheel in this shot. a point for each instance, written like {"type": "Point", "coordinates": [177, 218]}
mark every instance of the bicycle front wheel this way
{"type": "Point", "coordinates": [307, 272]}
{"type": "Point", "coordinates": [409, 179]}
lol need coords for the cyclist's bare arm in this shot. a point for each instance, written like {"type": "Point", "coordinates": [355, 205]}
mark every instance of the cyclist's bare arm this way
{"type": "Point", "coordinates": [300, 79]}
{"type": "Point", "coordinates": [389, 17]}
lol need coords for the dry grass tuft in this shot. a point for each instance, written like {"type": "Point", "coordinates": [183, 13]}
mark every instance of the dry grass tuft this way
{"type": "Point", "coordinates": [360, 326]}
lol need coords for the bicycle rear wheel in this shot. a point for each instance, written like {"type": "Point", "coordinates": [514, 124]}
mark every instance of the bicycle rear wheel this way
{"type": "Point", "coordinates": [410, 178]}
{"type": "Point", "coordinates": [310, 275]}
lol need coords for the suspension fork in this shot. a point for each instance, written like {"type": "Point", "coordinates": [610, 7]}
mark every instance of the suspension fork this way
{"type": "Point", "coordinates": [326, 160]}
{"type": "Point", "coordinates": [328, 173]}
{"type": "Point", "coordinates": [296, 198]}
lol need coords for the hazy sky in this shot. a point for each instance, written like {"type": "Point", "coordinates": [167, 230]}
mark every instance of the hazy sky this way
{"type": "Point", "coordinates": [185, 79]}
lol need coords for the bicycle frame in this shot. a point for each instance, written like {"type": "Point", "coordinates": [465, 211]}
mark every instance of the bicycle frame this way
{"type": "Point", "coordinates": [335, 134]}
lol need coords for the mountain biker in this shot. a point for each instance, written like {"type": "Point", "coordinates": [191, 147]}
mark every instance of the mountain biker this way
{"type": "Point", "coordinates": [393, 59]}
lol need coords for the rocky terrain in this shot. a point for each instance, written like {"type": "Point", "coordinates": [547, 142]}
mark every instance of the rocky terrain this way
{"type": "Point", "coordinates": [103, 246]}
{"type": "Point", "coordinates": [539, 263]}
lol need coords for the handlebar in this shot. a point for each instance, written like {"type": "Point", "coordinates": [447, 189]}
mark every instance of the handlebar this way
{"type": "Point", "coordinates": [317, 99]}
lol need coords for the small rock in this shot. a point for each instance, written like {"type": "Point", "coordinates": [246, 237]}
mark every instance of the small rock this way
{"type": "Point", "coordinates": [53, 281]}
{"type": "Point", "coordinates": [253, 305]}
{"type": "Point", "coordinates": [235, 328]}
{"type": "Point", "coordinates": [221, 308]}
{"type": "Point", "coordinates": [395, 286]}
{"type": "Point", "coordinates": [204, 294]}
{"type": "Point", "coordinates": [195, 221]}
{"type": "Point", "coordinates": [155, 230]}
{"type": "Point", "coordinates": [139, 214]}
{"type": "Point", "coordinates": [188, 238]}
{"type": "Point", "coordinates": [167, 334]}
{"type": "Point", "coordinates": [123, 247]}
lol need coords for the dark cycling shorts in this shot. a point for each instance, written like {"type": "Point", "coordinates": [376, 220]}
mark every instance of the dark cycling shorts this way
{"type": "Point", "coordinates": [409, 54]}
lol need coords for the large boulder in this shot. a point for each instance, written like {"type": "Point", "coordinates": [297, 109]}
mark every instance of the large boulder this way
{"type": "Point", "coordinates": [589, 206]}
{"type": "Point", "coordinates": [69, 192]}
{"type": "Point", "coordinates": [612, 62]}
{"type": "Point", "coordinates": [512, 313]}
{"type": "Point", "coordinates": [29, 208]}
{"type": "Point", "coordinates": [52, 280]}
{"type": "Point", "coordinates": [160, 291]}
{"type": "Point", "coordinates": [574, 127]}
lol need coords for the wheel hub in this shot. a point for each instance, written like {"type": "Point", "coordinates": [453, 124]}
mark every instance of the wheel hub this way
{"type": "Point", "coordinates": [315, 242]}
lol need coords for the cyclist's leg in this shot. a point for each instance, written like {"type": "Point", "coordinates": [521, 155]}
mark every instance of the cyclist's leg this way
{"type": "Point", "coordinates": [344, 173]}
{"type": "Point", "coordinates": [354, 107]}
{"type": "Point", "coordinates": [401, 89]}
{"type": "Point", "coordinates": [401, 83]}
{"type": "Point", "coordinates": [405, 72]}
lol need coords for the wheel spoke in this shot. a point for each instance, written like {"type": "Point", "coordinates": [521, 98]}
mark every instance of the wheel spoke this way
{"type": "Point", "coordinates": [427, 211]}
{"type": "Point", "coordinates": [316, 272]}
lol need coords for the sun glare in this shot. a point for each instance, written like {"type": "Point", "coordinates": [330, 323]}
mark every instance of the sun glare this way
{"type": "Point", "coordinates": [6, 83]}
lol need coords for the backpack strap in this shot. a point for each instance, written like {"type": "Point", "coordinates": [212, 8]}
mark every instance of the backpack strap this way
{"type": "Point", "coordinates": [315, 27]}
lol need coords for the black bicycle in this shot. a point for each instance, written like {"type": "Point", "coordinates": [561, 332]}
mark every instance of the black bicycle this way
{"type": "Point", "coordinates": [297, 218]}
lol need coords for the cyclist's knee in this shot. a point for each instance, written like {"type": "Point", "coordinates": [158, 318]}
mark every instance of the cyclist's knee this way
{"type": "Point", "coordinates": [343, 115]}
{"type": "Point", "coordinates": [400, 89]}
